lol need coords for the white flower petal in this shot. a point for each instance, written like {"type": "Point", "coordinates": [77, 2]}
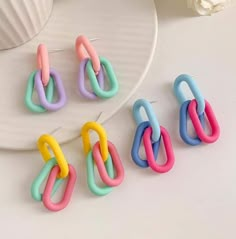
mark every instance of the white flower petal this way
{"type": "Point", "coordinates": [208, 7]}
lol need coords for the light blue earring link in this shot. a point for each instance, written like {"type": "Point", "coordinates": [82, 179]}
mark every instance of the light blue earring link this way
{"type": "Point", "coordinates": [193, 87]}
{"type": "Point", "coordinates": [151, 116]}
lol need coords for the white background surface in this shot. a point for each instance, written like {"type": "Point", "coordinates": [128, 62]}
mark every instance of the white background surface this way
{"type": "Point", "coordinates": [196, 199]}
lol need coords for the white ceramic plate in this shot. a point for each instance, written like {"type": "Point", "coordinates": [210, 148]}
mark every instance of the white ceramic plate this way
{"type": "Point", "coordinates": [127, 32]}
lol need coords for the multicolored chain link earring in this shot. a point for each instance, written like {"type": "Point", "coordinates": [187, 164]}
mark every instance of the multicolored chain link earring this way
{"type": "Point", "coordinates": [44, 80]}
{"type": "Point", "coordinates": [105, 156]}
{"type": "Point", "coordinates": [55, 170]}
{"type": "Point", "coordinates": [151, 133]}
{"type": "Point", "coordinates": [96, 68]}
{"type": "Point", "coordinates": [197, 109]}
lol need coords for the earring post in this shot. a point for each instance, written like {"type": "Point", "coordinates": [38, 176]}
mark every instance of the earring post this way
{"type": "Point", "coordinates": [61, 49]}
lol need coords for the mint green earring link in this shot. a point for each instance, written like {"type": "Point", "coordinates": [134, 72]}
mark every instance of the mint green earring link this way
{"type": "Point", "coordinates": [29, 93]}
{"type": "Point", "coordinates": [35, 188]}
{"type": "Point", "coordinates": [111, 76]}
{"type": "Point", "coordinates": [99, 191]}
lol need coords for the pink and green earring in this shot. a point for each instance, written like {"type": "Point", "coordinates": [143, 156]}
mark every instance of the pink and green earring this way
{"type": "Point", "coordinates": [96, 68]}
{"type": "Point", "coordinates": [44, 81]}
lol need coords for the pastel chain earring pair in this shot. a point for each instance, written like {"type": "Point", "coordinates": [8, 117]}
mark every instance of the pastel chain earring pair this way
{"type": "Point", "coordinates": [150, 132]}
{"type": "Point", "coordinates": [56, 169]}
{"type": "Point", "coordinates": [46, 80]}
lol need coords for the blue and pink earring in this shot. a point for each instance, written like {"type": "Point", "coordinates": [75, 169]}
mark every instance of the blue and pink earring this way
{"type": "Point", "coordinates": [197, 109]}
